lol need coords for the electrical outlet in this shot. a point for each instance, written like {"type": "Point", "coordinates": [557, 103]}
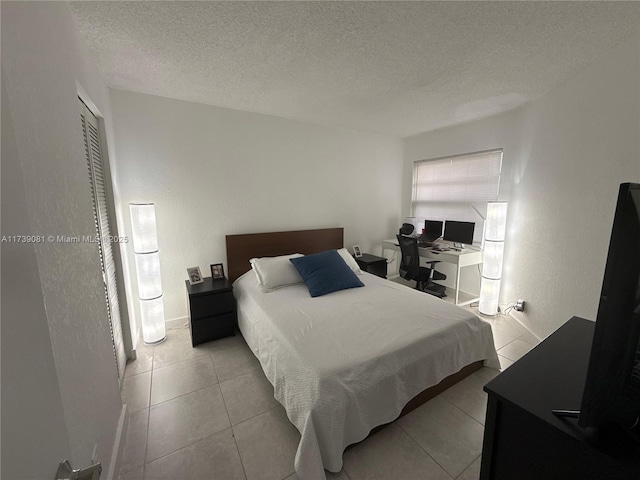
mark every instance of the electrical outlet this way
{"type": "Point", "coordinates": [520, 305]}
{"type": "Point", "coordinates": [94, 455]}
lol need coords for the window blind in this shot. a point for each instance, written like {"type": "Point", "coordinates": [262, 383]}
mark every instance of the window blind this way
{"type": "Point", "coordinates": [456, 188]}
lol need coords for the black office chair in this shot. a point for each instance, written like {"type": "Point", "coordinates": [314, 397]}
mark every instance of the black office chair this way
{"type": "Point", "coordinates": [410, 268]}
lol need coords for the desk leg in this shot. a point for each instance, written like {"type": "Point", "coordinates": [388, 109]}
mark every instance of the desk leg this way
{"type": "Point", "coordinates": [457, 282]}
{"type": "Point", "coordinates": [392, 265]}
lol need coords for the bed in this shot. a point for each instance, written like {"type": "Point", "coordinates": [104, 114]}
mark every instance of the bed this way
{"type": "Point", "coordinates": [345, 363]}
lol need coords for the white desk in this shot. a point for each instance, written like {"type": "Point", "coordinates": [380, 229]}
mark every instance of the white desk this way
{"type": "Point", "coordinates": [464, 258]}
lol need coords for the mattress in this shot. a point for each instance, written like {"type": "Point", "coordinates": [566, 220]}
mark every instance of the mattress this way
{"type": "Point", "coordinates": [344, 363]}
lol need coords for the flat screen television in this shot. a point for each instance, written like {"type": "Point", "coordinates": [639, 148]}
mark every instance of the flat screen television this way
{"type": "Point", "coordinates": [459, 232]}
{"type": "Point", "coordinates": [611, 394]}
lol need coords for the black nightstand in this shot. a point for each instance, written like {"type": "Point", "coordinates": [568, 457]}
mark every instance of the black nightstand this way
{"type": "Point", "coordinates": [212, 310]}
{"type": "Point", "coordinates": [373, 264]}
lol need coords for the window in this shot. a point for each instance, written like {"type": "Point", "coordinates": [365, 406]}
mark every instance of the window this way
{"type": "Point", "coordinates": [456, 188]}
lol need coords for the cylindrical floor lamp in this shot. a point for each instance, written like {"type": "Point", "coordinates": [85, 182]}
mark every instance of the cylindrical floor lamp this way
{"type": "Point", "coordinates": [145, 247]}
{"type": "Point", "coordinates": [494, 235]}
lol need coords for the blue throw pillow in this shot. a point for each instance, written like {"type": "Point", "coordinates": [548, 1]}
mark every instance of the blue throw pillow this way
{"type": "Point", "coordinates": [325, 272]}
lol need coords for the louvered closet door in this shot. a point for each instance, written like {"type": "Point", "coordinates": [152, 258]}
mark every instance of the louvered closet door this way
{"type": "Point", "coordinates": [103, 230]}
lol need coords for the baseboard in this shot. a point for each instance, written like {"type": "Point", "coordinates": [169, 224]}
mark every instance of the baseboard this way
{"type": "Point", "coordinates": [524, 326]}
{"type": "Point", "coordinates": [176, 322]}
{"type": "Point", "coordinates": [118, 444]}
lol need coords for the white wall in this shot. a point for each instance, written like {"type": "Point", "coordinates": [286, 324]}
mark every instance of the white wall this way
{"type": "Point", "coordinates": [564, 157]}
{"type": "Point", "coordinates": [60, 392]}
{"type": "Point", "coordinates": [213, 171]}
{"type": "Point", "coordinates": [29, 398]}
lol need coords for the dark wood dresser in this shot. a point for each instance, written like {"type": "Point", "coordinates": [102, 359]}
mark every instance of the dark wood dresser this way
{"type": "Point", "coordinates": [523, 440]}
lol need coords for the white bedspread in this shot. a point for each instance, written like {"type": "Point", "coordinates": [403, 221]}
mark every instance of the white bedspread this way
{"type": "Point", "coordinates": [349, 361]}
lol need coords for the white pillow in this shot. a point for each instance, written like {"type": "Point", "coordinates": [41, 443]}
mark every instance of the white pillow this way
{"type": "Point", "coordinates": [276, 272]}
{"type": "Point", "coordinates": [348, 259]}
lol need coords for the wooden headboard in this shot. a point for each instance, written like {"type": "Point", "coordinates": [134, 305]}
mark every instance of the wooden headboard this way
{"type": "Point", "coordinates": [242, 248]}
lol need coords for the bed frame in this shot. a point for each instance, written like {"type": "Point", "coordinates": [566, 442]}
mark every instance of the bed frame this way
{"type": "Point", "coordinates": [241, 248]}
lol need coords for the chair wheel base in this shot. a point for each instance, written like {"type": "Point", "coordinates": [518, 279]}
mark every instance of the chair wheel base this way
{"type": "Point", "coordinates": [431, 288]}
{"type": "Point", "coordinates": [438, 294]}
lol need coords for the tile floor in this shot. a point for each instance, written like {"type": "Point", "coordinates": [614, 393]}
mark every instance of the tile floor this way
{"type": "Point", "coordinates": [209, 413]}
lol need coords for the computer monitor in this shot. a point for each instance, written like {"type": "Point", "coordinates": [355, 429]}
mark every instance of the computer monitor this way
{"type": "Point", "coordinates": [432, 230]}
{"type": "Point", "coordinates": [459, 232]}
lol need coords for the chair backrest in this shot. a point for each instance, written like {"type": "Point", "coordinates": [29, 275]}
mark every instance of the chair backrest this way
{"type": "Point", "coordinates": [406, 229]}
{"type": "Point", "coordinates": [410, 257]}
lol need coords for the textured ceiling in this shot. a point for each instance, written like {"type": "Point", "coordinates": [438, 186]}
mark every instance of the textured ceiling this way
{"type": "Point", "coordinates": [397, 68]}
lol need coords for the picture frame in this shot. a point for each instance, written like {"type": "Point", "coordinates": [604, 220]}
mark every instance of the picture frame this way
{"type": "Point", "coordinates": [356, 251]}
{"type": "Point", "coordinates": [217, 271]}
{"type": "Point", "coordinates": [195, 275]}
